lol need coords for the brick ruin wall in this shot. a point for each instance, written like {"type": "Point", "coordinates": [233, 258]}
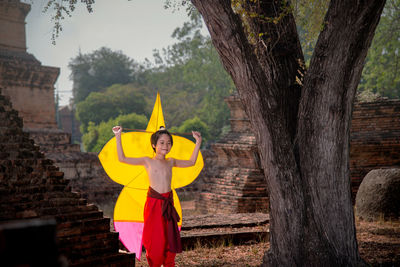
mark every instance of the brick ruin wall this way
{"type": "Point", "coordinates": [83, 170]}
{"type": "Point", "coordinates": [232, 180]}
{"type": "Point", "coordinates": [23, 78]}
{"type": "Point", "coordinates": [30, 87]}
{"type": "Point", "coordinates": [374, 138]}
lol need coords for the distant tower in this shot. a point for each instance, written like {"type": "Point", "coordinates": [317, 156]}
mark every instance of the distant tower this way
{"type": "Point", "coordinates": [29, 85]}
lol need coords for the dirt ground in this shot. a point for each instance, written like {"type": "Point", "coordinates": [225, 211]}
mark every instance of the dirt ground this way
{"type": "Point", "coordinates": [379, 242]}
{"type": "Point", "coordinates": [379, 245]}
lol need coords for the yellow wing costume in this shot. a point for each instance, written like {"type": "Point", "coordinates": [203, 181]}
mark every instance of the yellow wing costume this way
{"type": "Point", "coordinates": [128, 211]}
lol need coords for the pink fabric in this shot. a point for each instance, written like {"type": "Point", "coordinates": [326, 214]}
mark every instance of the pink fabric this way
{"type": "Point", "coordinates": [130, 234]}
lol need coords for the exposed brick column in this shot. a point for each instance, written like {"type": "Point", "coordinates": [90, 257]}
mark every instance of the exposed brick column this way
{"type": "Point", "coordinates": [233, 180]}
{"type": "Point", "coordinates": [12, 25]}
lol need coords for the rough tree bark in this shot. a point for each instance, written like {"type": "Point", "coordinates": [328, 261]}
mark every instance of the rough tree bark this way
{"type": "Point", "coordinates": [301, 121]}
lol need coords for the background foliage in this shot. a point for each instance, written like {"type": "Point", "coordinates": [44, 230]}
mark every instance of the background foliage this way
{"type": "Point", "coordinates": [189, 76]}
{"type": "Point", "coordinates": [194, 124]}
{"type": "Point", "coordinates": [97, 70]}
{"type": "Point", "coordinates": [97, 135]}
{"type": "Point", "coordinates": [193, 83]}
{"type": "Point", "coordinates": [381, 74]}
{"type": "Point", "coordinates": [114, 101]}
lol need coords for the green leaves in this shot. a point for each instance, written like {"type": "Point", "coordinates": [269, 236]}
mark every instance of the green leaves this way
{"type": "Point", "coordinates": [98, 134]}
{"type": "Point", "coordinates": [61, 9]}
{"type": "Point", "coordinates": [381, 73]}
{"type": "Point", "coordinates": [191, 80]}
{"type": "Point", "coordinates": [188, 75]}
{"type": "Point", "coordinates": [95, 71]}
{"type": "Point", "coordinates": [309, 15]}
{"type": "Point", "coordinates": [194, 124]}
{"type": "Point", "coordinates": [116, 100]}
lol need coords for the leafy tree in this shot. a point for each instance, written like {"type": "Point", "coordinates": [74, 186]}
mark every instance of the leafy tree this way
{"type": "Point", "coordinates": [94, 109]}
{"type": "Point", "coordinates": [89, 139]}
{"type": "Point", "coordinates": [98, 135]}
{"type": "Point", "coordinates": [190, 76]}
{"type": "Point", "coordinates": [115, 100]}
{"type": "Point", "coordinates": [381, 73]}
{"type": "Point", "coordinates": [194, 124]}
{"type": "Point", "coordinates": [100, 69]}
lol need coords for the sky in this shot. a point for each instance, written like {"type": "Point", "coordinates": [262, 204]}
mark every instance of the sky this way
{"type": "Point", "coordinates": [135, 27]}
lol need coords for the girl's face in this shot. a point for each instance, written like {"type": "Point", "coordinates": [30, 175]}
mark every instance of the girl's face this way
{"type": "Point", "coordinates": [163, 145]}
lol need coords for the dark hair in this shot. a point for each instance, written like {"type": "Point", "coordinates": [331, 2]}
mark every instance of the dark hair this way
{"type": "Point", "coordinates": [155, 136]}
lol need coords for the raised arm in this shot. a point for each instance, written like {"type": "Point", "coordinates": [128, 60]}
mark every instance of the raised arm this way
{"type": "Point", "coordinates": [117, 130]}
{"type": "Point", "coordinates": [193, 158]}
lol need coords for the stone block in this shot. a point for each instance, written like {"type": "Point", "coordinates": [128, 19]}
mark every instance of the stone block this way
{"type": "Point", "coordinates": [379, 195]}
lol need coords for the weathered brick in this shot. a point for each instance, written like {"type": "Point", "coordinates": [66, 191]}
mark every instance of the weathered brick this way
{"type": "Point", "coordinates": [235, 182]}
{"type": "Point", "coordinates": [32, 187]}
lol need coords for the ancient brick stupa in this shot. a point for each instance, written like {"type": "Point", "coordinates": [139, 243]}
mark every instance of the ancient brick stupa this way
{"type": "Point", "coordinates": [30, 87]}
{"type": "Point", "coordinates": [31, 186]}
{"type": "Point", "coordinates": [233, 181]}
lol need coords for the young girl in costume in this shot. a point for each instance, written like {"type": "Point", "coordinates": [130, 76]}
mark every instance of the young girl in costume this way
{"type": "Point", "coordinates": [161, 237]}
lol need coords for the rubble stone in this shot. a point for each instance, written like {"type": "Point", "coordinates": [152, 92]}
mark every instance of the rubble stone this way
{"type": "Point", "coordinates": [379, 195]}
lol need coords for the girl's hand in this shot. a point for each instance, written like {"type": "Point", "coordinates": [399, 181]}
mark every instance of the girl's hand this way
{"type": "Point", "coordinates": [117, 130]}
{"type": "Point", "coordinates": [197, 136]}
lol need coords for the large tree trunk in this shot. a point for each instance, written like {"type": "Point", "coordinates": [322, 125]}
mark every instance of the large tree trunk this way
{"type": "Point", "coordinates": [302, 130]}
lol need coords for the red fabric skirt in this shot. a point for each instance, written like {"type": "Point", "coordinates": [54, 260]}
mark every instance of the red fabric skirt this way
{"type": "Point", "coordinates": [155, 234]}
